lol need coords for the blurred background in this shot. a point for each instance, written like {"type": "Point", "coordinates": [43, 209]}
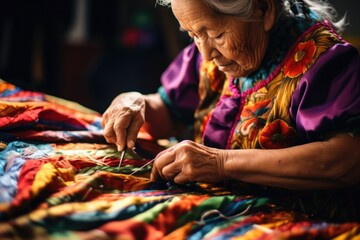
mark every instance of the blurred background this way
{"type": "Point", "coordinates": [89, 51]}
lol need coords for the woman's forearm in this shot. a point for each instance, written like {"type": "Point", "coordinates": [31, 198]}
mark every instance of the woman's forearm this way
{"type": "Point", "coordinates": [328, 164]}
{"type": "Point", "coordinates": [158, 122]}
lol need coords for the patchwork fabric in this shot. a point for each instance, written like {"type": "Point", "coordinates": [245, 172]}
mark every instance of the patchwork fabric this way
{"type": "Point", "coordinates": [60, 180]}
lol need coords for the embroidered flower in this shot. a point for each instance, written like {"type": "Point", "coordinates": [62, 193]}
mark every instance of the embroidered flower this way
{"type": "Point", "coordinates": [297, 63]}
{"type": "Point", "coordinates": [277, 134]}
{"type": "Point", "coordinates": [252, 119]}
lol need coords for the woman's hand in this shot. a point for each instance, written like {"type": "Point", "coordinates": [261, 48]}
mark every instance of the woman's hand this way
{"type": "Point", "coordinates": [123, 119]}
{"type": "Point", "coordinates": [189, 162]}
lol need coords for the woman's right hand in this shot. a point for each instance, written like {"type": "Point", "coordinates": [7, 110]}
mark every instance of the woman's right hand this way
{"type": "Point", "coordinates": [123, 119]}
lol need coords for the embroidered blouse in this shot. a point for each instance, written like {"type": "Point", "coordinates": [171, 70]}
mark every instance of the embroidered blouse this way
{"type": "Point", "coordinates": [308, 84]}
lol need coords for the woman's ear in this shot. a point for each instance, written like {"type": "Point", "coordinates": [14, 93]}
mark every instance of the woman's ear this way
{"type": "Point", "coordinates": [268, 12]}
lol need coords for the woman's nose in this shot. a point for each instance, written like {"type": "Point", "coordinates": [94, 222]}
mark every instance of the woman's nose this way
{"type": "Point", "coordinates": [207, 50]}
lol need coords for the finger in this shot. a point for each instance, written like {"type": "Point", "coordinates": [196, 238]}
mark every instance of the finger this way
{"type": "Point", "coordinates": [109, 132]}
{"type": "Point", "coordinates": [120, 129]}
{"type": "Point", "coordinates": [180, 179]}
{"type": "Point", "coordinates": [133, 131]}
{"type": "Point", "coordinates": [104, 120]}
{"type": "Point", "coordinates": [170, 171]}
{"type": "Point", "coordinates": [161, 160]}
{"type": "Point", "coordinates": [155, 174]}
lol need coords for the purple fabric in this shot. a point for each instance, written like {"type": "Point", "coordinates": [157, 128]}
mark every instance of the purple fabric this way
{"type": "Point", "coordinates": [222, 120]}
{"type": "Point", "coordinates": [328, 95]}
{"type": "Point", "coordinates": [181, 80]}
{"type": "Point", "coordinates": [327, 98]}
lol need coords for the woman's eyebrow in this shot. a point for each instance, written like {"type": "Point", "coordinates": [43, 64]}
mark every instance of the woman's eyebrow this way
{"type": "Point", "coordinates": [181, 29]}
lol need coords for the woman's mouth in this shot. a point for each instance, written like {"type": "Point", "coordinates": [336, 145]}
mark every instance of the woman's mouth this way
{"type": "Point", "coordinates": [224, 67]}
{"type": "Point", "coordinates": [222, 64]}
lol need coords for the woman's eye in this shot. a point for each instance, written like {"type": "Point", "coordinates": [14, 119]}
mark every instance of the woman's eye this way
{"type": "Point", "coordinates": [218, 36]}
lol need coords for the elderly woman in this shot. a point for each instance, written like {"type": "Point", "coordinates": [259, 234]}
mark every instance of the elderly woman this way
{"type": "Point", "coordinates": [270, 90]}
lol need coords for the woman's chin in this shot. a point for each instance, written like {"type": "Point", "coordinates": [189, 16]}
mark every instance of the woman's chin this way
{"type": "Point", "coordinates": [233, 71]}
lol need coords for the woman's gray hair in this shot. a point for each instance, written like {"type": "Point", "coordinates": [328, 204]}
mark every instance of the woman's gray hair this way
{"type": "Point", "coordinates": [243, 9]}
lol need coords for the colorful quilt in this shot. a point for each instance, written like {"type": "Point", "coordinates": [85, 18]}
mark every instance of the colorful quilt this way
{"type": "Point", "coordinates": [59, 179]}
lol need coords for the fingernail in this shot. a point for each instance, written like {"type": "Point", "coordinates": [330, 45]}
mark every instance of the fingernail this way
{"type": "Point", "coordinates": [131, 144]}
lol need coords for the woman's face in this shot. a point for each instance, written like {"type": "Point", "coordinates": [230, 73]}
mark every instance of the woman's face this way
{"type": "Point", "coordinates": [236, 47]}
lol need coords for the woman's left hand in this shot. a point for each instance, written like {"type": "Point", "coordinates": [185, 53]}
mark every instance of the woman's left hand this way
{"type": "Point", "coordinates": [189, 162]}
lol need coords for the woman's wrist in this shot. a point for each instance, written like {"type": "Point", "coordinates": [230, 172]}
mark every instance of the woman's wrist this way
{"type": "Point", "coordinates": [230, 164]}
{"type": "Point", "coordinates": [236, 163]}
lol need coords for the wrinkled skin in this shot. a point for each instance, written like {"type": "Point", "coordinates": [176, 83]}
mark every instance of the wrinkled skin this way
{"type": "Point", "coordinates": [123, 119]}
{"type": "Point", "coordinates": [237, 48]}
{"type": "Point", "coordinates": [190, 162]}
{"type": "Point", "coordinates": [126, 116]}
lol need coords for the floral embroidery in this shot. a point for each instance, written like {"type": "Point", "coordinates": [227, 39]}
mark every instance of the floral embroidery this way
{"type": "Point", "coordinates": [277, 134]}
{"type": "Point", "coordinates": [264, 120]}
{"type": "Point", "coordinates": [298, 63]}
{"type": "Point", "coordinates": [253, 119]}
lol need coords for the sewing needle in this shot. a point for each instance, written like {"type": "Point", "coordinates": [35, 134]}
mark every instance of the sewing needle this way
{"type": "Point", "coordinates": [122, 157]}
{"type": "Point", "coordinates": [141, 167]}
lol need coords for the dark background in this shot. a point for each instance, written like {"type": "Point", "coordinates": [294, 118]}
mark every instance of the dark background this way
{"type": "Point", "coordinates": [89, 51]}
